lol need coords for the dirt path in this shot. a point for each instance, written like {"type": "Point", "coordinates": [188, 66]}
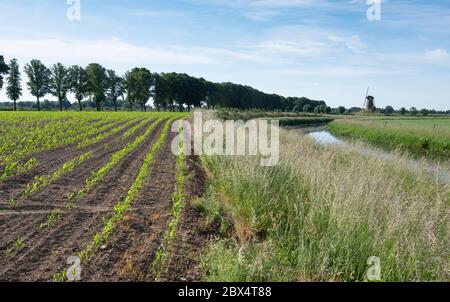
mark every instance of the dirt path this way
{"type": "Point", "coordinates": [183, 261]}
{"type": "Point", "coordinates": [47, 251]}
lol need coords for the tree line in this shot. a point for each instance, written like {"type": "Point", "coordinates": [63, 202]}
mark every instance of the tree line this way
{"type": "Point", "coordinates": [169, 91]}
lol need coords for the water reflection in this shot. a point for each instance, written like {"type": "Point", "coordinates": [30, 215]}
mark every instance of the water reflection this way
{"type": "Point", "coordinates": [325, 138]}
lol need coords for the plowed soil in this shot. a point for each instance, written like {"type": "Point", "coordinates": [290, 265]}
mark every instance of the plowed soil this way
{"type": "Point", "coordinates": [130, 250]}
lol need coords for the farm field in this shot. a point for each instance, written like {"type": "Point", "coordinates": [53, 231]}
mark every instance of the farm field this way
{"type": "Point", "coordinates": [99, 186]}
{"type": "Point", "coordinates": [428, 137]}
{"type": "Point", "coordinates": [107, 188]}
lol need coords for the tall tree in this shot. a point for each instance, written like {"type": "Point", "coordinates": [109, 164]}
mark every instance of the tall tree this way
{"type": "Point", "coordinates": [389, 110]}
{"type": "Point", "coordinates": [60, 83]}
{"type": "Point", "coordinates": [97, 83]}
{"type": "Point", "coordinates": [14, 88]}
{"type": "Point", "coordinates": [122, 91]}
{"type": "Point", "coordinates": [115, 87]}
{"type": "Point", "coordinates": [4, 69]}
{"type": "Point", "coordinates": [78, 83]}
{"type": "Point", "coordinates": [160, 92]}
{"type": "Point", "coordinates": [39, 79]}
{"type": "Point", "coordinates": [145, 83]}
{"type": "Point", "coordinates": [130, 85]}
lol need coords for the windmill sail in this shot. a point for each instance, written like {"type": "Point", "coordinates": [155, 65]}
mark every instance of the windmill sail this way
{"type": "Point", "coordinates": [365, 99]}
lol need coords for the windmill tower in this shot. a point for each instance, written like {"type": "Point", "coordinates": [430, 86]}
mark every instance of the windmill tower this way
{"type": "Point", "coordinates": [369, 101]}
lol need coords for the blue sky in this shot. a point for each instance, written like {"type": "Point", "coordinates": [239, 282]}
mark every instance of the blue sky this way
{"type": "Point", "coordinates": [321, 49]}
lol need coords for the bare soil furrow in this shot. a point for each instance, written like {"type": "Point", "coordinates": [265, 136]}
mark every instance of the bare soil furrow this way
{"type": "Point", "coordinates": [190, 240]}
{"type": "Point", "coordinates": [76, 228]}
{"type": "Point", "coordinates": [128, 254]}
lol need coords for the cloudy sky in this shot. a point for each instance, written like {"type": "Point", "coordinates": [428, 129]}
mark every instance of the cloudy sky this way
{"type": "Point", "coordinates": [321, 49]}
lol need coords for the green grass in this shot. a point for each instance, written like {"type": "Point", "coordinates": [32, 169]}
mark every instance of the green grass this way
{"type": "Point", "coordinates": [422, 137]}
{"type": "Point", "coordinates": [303, 121]}
{"type": "Point", "coordinates": [245, 115]}
{"type": "Point", "coordinates": [321, 214]}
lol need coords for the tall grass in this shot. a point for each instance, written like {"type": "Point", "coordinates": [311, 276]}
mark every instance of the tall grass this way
{"type": "Point", "coordinates": [321, 213]}
{"type": "Point", "coordinates": [245, 115]}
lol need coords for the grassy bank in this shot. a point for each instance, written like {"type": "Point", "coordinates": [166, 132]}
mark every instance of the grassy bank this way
{"type": "Point", "coordinates": [230, 114]}
{"type": "Point", "coordinates": [320, 214]}
{"type": "Point", "coordinates": [423, 137]}
{"type": "Point", "coordinates": [304, 121]}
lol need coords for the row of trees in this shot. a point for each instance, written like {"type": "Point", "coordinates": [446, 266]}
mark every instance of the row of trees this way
{"type": "Point", "coordinates": [389, 110]}
{"type": "Point", "coordinates": [94, 81]}
{"type": "Point", "coordinates": [169, 91]}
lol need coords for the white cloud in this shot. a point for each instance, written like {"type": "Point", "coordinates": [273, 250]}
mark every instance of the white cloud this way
{"type": "Point", "coordinates": [437, 55]}
{"type": "Point", "coordinates": [281, 3]}
{"type": "Point", "coordinates": [353, 42]}
{"type": "Point", "coordinates": [160, 13]}
{"type": "Point", "coordinates": [307, 41]}
{"type": "Point", "coordinates": [339, 71]}
{"type": "Point", "coordinates": [258, 3]}
{"type": "Point", "coordinates": [261, 15]}
{"type": "Point", "coordinates": [111, 50]}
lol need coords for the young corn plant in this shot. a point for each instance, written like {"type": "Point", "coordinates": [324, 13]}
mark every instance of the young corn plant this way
{"type": "Point", "coordinates": [178, 204]}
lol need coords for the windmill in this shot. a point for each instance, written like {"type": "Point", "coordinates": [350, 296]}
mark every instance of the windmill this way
{"type": "Point", "coordinates": [365, 99]}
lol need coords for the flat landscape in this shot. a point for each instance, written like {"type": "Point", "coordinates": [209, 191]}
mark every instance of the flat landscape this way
{"type": "Point", "coordinates": [239, 148]}
{"type": "Point", "coordinates": [107, 189]}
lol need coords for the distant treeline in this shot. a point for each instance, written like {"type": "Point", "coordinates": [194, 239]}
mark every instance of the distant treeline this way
{"type": "Point", "coordinates": [98, 87]}
{"type": "Point", "coordinates": [174, 89]}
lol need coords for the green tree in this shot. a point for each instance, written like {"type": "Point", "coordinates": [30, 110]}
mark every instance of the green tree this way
{"type": "Point", "coordinates": [60, 83]}
{"type": "Point", "coordinates": [115, 87]}
{"type": "Point", "coordinates": [145, 82]}
{"type": "Point", "coordinates": [138, 83]}
{"type": "Point", "coordinates": [4, 69]}
{"type": "Point", "coordinates": [78, 83]}
{"type": "Point", "coordinates": [413, 111]}
{"type": "Point", "coordinates": [424, 112]}
{"type": "Point", "coordinates": [403, 111]}
{"type": "Point", "coordinates": [341, 110]}
{"type": "Point", "coordinates": [160, 91]}
{"type": "Point", "coordinates": [130, 85]}
{"type": "Point", "coordinates": [389, 110]}
{"type": "Point", "coordinates": [39, 79]}
{"type": "Point", "coordinates": [307, 108]}
{"type": "Point", "coordinates": [97, 83]}
{"type": "Point", "coordinates": [14, 88]}
{"type": "Point", "coordinates": [321, 109]}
